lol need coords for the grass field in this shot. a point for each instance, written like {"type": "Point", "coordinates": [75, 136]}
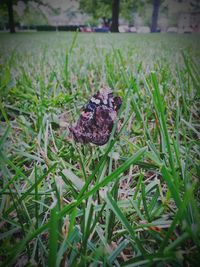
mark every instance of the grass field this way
{"type": "Point", "coordinates": [131, 202]}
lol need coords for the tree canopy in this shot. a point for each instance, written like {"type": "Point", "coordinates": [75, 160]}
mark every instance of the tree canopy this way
{"type": "Point", "coordinates": [103, 8]}
{"type": "Point", "coordinates": [8, 5]}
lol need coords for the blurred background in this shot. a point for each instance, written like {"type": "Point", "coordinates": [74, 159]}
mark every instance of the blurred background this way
{"type": "Point", "coordinates": [182, 16]}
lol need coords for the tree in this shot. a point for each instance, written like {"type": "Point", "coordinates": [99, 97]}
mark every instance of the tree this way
{"type": "Point", "coordinates": [115, 16]}
{"type": "Point", "coordinates": [11, 22]}
{"type": "Point", "coordinates": [126, 8]}
{"type": "Point", "coordinates": [156, 5]}
{"type": "Point", "coordinates": [112, 9]}
{"type": "Point", "coordinates": [8, 4]}
{"type": "Point", "coordinates": [103, 9]}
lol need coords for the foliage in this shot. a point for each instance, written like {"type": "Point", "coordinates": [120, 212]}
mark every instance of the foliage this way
{"type": "Point", "coordinates": [3, 17]}
{"type": "Point", "coordinates": [128, 9]}
{"type": "Point", "coordinates": [132, 202]}
{"type": "Point", "coordinates": [98, 9]}
{"type": "Point", "coordinates": [32, 15]}
{"type": "Point", "coordinates": [103, 8]}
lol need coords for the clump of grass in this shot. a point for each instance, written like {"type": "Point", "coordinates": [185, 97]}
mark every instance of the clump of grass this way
{"type": "Point", "coordinates": [132, 202]}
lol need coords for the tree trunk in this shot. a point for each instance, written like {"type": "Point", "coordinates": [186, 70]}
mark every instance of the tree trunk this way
{"type": "Point", "coordinates": [11, 16]}
{"type": "Point", "coordinates": [115, 16]}
{"type": "Point", "coordinates": [156, 5]}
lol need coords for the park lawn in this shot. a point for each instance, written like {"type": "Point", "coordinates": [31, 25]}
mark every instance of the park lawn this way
{"type": "Point", "coordinates": [131, 202]}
